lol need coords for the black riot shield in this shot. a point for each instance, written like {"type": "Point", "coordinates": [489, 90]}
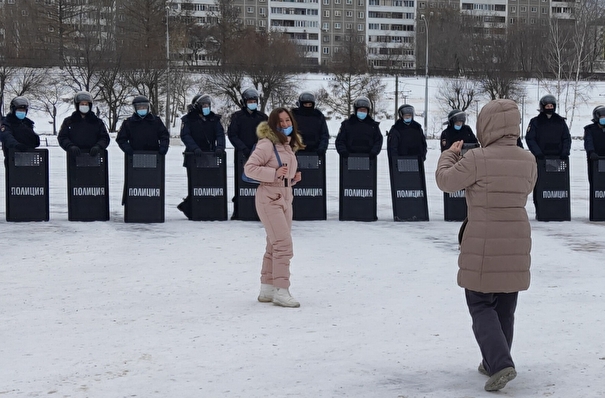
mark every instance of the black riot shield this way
{"type": "Point", "coordinates": [245, 193]}
{"type": "Point", "coordinates": [144, 187]}
{"type": "Point", "coordinates": [551, 194]}
{"type": "Point", "coordinates": [358, 175]}
{"type": "Point", "coordinates": [310, 193]}
{"type": "Point", "coordinates": [454, 206]}
{"type": "Point", "coordinates": [597, 190]}
{"type": "Point", "coordinates": [87, 187]}
{"type": "Point", "coordinates": [207, 186]}
{"type": "Point", "coordinates": [27, 186]}
{"type": "Point", "coordinates": [408, 189]}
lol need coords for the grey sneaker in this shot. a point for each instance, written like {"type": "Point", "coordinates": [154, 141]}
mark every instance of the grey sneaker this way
{"type": "Point", "coordinates": [499, 379]}
{"type": "Point", "coordinates": [481, 369]}
{"type": "Point", "coordinates": [266, 293]}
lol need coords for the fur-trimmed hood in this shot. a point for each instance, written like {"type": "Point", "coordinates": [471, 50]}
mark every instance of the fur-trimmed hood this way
{"type": "Point", "coordinates": [263, 130]}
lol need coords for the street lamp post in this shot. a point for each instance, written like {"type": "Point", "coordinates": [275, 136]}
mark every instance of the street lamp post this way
{"type": "Point", "coordinates": [426, 74]}
{"type": "Point", "coordinates": [167, 70]}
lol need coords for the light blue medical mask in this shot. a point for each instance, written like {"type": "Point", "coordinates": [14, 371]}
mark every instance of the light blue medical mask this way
{"type": "Point", "coordinates": [205, 111]}
{"type": "Point", "coordinates": [252, 106]}
{"type": "Point", "coordinates": [361, 115]}
{"type": "Point", "coordinates": [20, 115]}
{"type": "Point", "coordinates": [408, 120]}
{"type": "Point", "coordinates": [142, 112]}
{"type": "Point", "coordinates": [287, 130]}
{"type": "Point", "coordinates": [457, 127]}
{"type": "Point", "coordinates": [602, 121]}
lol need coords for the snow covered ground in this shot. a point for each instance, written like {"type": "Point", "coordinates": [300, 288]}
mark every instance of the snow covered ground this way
{"type": "Point", "coordinates": [109, 309]}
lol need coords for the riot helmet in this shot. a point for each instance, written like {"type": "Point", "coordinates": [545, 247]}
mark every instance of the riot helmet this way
{"type": "Point", "coordinates": [141, 105]}
{"type": "Point", "coordinates": [249, 94]}
{"type": "Point", "coordinates": [19, 102]}
{"type": "Point", "coordinates": [362, 102]}
{"type": "Point", "coordinates": [548, 99]}
{"type": "Point", "coordinates": [456, 115]}
{"type": "Point", "coordinates": [598, 113]}
{"type": "Point", "coordinates": [305, 97]}
{"type": "Point", "coordinates": [82, 96]}
{"type": "Point", "coordinates": [204, 99]}
{"type": "Point", "coordinates": [405, 109]}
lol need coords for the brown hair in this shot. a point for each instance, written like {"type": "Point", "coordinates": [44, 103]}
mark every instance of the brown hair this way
{"type": "Point", "coordinates": [295, 138]}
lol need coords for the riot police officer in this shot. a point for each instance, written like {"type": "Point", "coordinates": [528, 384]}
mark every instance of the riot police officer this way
{"type": "Point", "coordinates": [360, 132]}
{"type": "Point", "coordinates": [17, 129]}
{"type": "Point", "coordinates": [312, 124]}
{"type": "Point", "coordinates": [201, 131]}
{"type": "Point", "coordinates": [406, 137]}
{"type": "Point", "coordinates": [457, 130]}
{"type": "Point", "coordinates": [83, 130]}
{"type": "Point", "coordinates": [143, 131]}
{"type": "Point", "coordinates": [242, 133]}
{"type": "Point", "coordinates": [594, 138]}
{"type": "Point", "coordinates": [547, 133]}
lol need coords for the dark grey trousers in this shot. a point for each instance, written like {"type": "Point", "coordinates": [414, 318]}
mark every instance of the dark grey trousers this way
{"type": "Point", "coordinates": [493, 317]}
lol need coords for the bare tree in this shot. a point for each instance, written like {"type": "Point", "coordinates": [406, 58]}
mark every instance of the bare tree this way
{"type": "Point", "coordinates": [224, 83]}
{"type": "Point", "coordinates": [271, 58]}
{"type": "Point", "coordinates": [456, 94]}
{"type": "Point", "coordinates": [48, 97]}
{"type": "Point", "coordinates": [27, 81]}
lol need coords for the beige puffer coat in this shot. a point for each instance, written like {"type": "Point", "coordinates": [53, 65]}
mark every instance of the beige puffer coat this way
{"type": "Point", "coordinates": [498, 177]}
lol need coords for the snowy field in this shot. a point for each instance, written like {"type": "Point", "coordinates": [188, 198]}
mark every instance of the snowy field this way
{"type": "Point", "coordinates": [113, 310]}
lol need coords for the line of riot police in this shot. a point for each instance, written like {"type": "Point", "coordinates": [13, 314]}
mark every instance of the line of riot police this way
{"type": "Point", "coordinates": [144, 139]}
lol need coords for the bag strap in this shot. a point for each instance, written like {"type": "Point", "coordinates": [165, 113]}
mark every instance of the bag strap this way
{"type": "Point", "coordinates": [277, 155]}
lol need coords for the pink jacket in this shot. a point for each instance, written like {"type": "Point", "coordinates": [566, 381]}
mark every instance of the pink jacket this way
{"type": "Point", "coordinates": [262, 163]}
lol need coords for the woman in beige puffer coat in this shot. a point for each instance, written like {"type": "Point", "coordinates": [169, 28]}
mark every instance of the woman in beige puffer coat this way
{"type": "Point", "coordinates": [494, 255]}
{"type": "Point", "coordinates": [274, 201]}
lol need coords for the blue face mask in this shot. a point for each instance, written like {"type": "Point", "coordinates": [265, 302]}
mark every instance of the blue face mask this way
{"type": "Point", "coordinates": [457, 127]}
{"type": "Point", "coordinates": [142, 112]}
{"type": "Point", "coordinates": [602, 121]}
{"type": "Point", "coordinates": [409, 120]}
{"type": "Point", "coordinates": [252, 106]}
{"type": "Point", "coordinates": [361, 115]}
{"type": "Point", "coordinates": [205, 111]}
{"type": "Point", "coordinates": [287, 130]}
{"type": "Point", "coordinates": [20, 115]}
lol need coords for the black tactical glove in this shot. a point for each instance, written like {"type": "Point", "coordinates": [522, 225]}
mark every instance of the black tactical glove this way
{"type": "Point", "coordinates": [128, 150]}
{"type": "Point", "coordinates": [198, 152]}
{"type": "Point", "coordinates": [218, 152]}
{"type": "Point", "coordinates": [21, 147]}
{"type": "Point", "coordinates": [95, 150]}
{"type": "Point", "coordinates": [246, 153]}
{"type": "Point", "coordinates": [163, 150]}
{"type": "Point", "coordinates": [593, 156]}
{"type": "Point", "coordinates": [74, 150]}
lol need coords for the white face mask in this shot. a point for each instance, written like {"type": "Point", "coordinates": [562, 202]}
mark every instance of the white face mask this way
{"type": "Point", "coordinates": [84, 108]}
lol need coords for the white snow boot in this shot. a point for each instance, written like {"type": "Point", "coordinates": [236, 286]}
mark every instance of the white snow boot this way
{"type": "Point", "coordinates": [266, 293]}
{"type": "Point", "coordinates": [498, 380]}
{"type": "Point", "coordinates": [282, 298]}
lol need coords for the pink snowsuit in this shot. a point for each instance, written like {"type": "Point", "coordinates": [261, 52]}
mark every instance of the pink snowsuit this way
{"type": "Point", "coordinates": [273, 204]}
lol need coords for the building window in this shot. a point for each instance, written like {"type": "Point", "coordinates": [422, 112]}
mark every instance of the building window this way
{"type": "Point", "coordinates": [326, 50]}
{"type": "Point", "coordinates": [361, 15]}
{"type": "Point", "coordinates": [336, 25]}
{"type": "Point", "coordinates": [421, 5]}
{"type": "Point", "coordinates": [523, 9]}
{"type": "Point", "coordinates": [325, 26]}
{"type": "Point", "coordinates": [513, 9]}
{"type": "Point", "coordinates": [327, 13]}
{"type": "Point", "coordinates": [350, 14]}
{"type": "Point", "coordinates": [337, 13]}
{"type": "Point", "coordinates": [250, 10]}
{"type": "Point", "coordinates": [326, 39]}
{"type": "Point", "coordinates": [534, 9]}
{"type": "Point", "coordinates": [360, 27]}
{"type": "Point", "coordinates": [326, 2]}
{"type": "Point", "coordinates": [349, 26]}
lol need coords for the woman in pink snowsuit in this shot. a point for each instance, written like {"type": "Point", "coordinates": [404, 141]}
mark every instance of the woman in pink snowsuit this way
{"type": "Point", "coordinates": [274, 201]}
